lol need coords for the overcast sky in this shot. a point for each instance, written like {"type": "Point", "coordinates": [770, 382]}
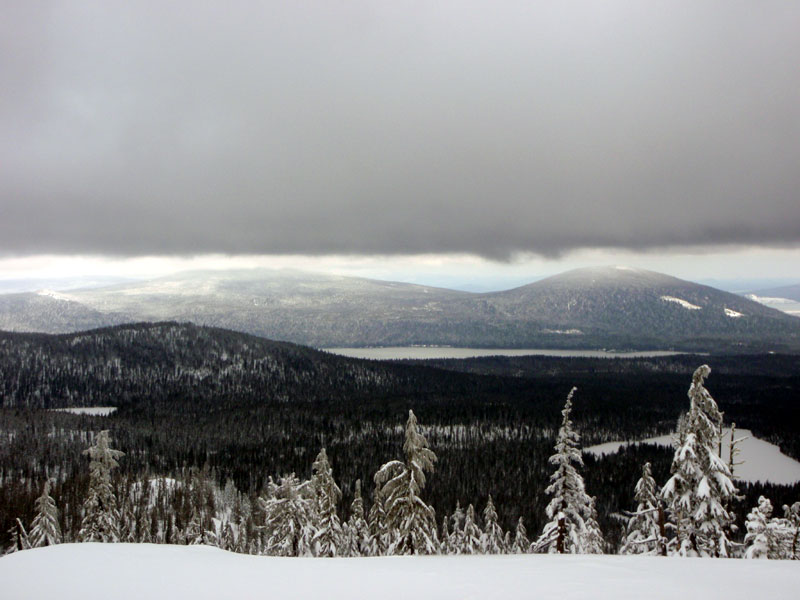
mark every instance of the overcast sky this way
{"type": "Point", "coordinates": [488, 129]}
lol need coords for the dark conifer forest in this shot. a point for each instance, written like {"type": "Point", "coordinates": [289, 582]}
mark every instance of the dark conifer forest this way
{"type": "Point", "coordinates": [202, 402]}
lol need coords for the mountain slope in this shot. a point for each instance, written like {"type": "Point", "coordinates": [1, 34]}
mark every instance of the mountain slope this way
{"type": "Point", "coordinates": [637, 303]}
{"type": "Point", "coordinates": [586, 308]}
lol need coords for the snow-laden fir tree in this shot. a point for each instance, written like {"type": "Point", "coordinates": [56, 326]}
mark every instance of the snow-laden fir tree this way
{"type": "Point", "coordinates": [792, 515]}
{"type": "Point", "coordinates": [19, 538]}
{"type": "Point", "coordinates": [521, 545]}
{"type": "Point", "coordinates": [643, 533]}
{"type": "Point", "coordinates": [379, 535]}
{"type": "Point", "coordinates": [357, 529]}
{"type": "Point", "coordinates": [45, 530]}
{"type": "Point", "coordinates": [471, 534]}
{"type": "Point", "coordinates": [455, 540]}
{"type": "Point", "coordinates": [771, 537]}
{"type": "Point", "coordinates": [445, 544]}
{"type": "Point", "coordinates": [760, 539]}
{"type": "Point", "coordinates": [328, 539]}
{"type": "Point", "coordinates": [194, 533]}
{"type": "Point", "coordinates": [411, 521]}
{"type": "Point", "coordinates": [700, 486]}
{"type": "Point", "coordinates": [493, 540]}
{"type": "Point", "coordinates": [572, 527]}
{"type": "Point", "coordinates": [289, 510]}
{"type": "Point", "coordinates": [100, 514]}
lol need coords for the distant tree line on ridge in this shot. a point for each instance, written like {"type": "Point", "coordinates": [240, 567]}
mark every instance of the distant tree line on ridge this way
{"type": "Point", "coordinates": [690, 515]}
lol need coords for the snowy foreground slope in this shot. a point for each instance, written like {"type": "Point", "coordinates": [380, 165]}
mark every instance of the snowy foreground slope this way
{"type": "Point", "coordinates": [136, 571]}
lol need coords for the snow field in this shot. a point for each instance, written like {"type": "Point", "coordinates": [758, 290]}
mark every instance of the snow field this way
{"type": "Point", "coordinates": [136, 571]}
{"type": "Point", "coordinates": [762, 461]}
{"type": "Point", "coordinates": [93, 411]}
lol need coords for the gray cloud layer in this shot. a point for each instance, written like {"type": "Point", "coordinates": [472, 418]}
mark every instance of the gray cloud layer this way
{"type": "Point", "coordinates": [397, 127]}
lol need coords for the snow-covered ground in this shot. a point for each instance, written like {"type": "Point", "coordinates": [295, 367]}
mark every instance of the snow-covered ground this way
{"type": "Point", "coordinates": [95, 411]}
{"type": "Point", "coordinates": [134, 572]}
{"type": "Point", "coordinates": [762, 461]}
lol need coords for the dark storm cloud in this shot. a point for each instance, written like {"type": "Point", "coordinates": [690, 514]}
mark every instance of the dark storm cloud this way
{"type": "Point", "coordinates": [397, 127]}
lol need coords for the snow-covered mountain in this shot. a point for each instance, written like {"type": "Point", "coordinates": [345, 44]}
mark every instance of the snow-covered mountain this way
{"type": "Point", "coordinates": [612, 307]}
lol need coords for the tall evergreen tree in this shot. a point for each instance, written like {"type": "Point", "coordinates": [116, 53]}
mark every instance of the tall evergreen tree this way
{"type": "Point", "coordinates": [572, 527]}
{"type": "Point", "coordinates": [289, 510]}
{"type": "Point", "coordinates": [455, 540]}
{"type": "Point", "coordinates": [522, 545]}
{"type": "Point", "coordinates": [472, 534]}
{"type": "Point", "coordinates": [357, 529]}
{"type": "Point", "coordinates": [101, 517]}
{"type": "Point", "coordinates": [406, 513]}
{"type": "Point", "coordinates": [643, 532]}
{"type": "Point", "coordinates": [45, 530]}
{"type": "Point", "coordinates": [328, 538]}
{"type": "Point", "coordinates": [493, 540]}
{"type": "Point", "coordinates": [379, 536]}
{"type": "Point", "coordinates": [700, 486]}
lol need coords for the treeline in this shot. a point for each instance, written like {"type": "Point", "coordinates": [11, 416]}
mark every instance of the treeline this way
{"type": "Point", "coordinates": [691, 515]}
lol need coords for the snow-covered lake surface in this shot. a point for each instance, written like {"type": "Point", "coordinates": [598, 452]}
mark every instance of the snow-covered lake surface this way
{"type": "Point", "coordinates": [95, 411]}
{"type": "Point", "coordinates": [426, 352]}
{"type": "Point", "coordinates": [762, 461]}
{"type": "Point", "coordinates": [136, 572]}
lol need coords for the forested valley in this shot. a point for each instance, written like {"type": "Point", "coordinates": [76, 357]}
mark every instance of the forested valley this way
{"type": "Point", "coordinates": [219, 419]}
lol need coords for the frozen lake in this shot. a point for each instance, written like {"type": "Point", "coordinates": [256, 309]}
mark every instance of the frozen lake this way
{"type": "Point", "coordinates": [424, 352]}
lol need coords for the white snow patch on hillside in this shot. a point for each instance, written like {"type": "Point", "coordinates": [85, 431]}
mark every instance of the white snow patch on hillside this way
{"type": "Point", "coordinates": [94, 411]}
{"type": "Point", "coordinates": [136, 571]}
{"type": "Point", "coordinates": [563, 331]}
{"type": "Point", "coordinates": [685, 304]}
{"type": "Point", "coordinates": [732, 313]}
{"type": "Point", "coordinates": [762, 461]}
{"type": "Point", "coordinates": [54, 295]}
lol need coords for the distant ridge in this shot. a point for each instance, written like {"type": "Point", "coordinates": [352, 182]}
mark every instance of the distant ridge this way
{"type": "Point", "coordinates": [598, 307]}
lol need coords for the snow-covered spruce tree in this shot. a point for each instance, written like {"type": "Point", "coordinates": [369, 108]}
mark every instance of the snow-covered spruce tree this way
{"type": "Point", "coordinates": [792, 515]}
{"type": "Point", "coordinates": [289, 511]}
{"type": "Point", "coordinates": [644, 534]}
{"type": "Point", "coordinates": [573, 525]}
{"type": "Point", "coordinates": [493, 539]}
{"type": "Point", "coordinates": [411, 520]}
{"type": "Point", "coordinates": [445, 546]}
{"type": "Point", "coordinates": [771, 537]}
{"type": "Point", "coordinates": [328, 539]}
{"type": "Point", "coordinates": [194, 533]}
{"type": "Point", "coordinates": [18, 537]}
{"type": "Point", "coordinates": [357, 530]}
{"type": "Point", "coordinates": [45, 530]}
{"type": "Point", "coordinates": [760, 539]}
{"type": "Point", "coordinates": [379, 536]}
{"type": "Point", "coordinates": [700, 486]}
{"type": "Point", "coordinates": [100, 515]}
{"type": "Point", "coordinates": [522, 545]}
{"type": "Point", "coordinates": [455, 540]}
{"type": "Point", "coordinates": [472, 534]}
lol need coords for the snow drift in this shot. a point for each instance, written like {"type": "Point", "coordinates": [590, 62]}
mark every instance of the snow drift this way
{"type": "Point", "coordinates": [136, 571]}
